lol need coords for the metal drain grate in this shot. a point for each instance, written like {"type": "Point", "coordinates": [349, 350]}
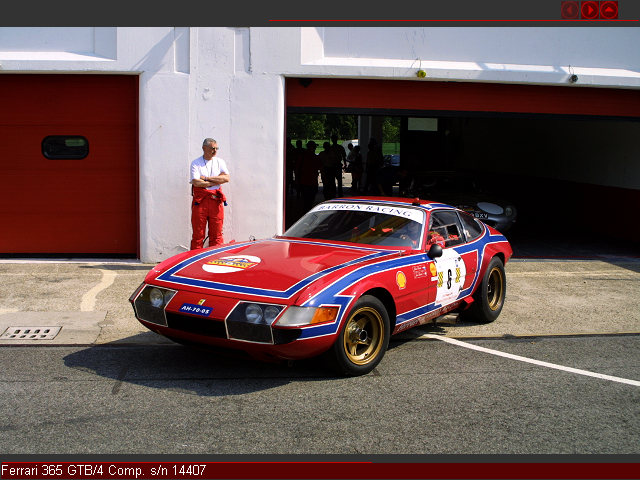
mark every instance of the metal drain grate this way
{"type": "Point", "coordinates": [30, 333]}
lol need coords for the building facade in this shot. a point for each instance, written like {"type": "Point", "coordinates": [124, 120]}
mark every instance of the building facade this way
{"type": "Point", "coordinates": [140, 101]}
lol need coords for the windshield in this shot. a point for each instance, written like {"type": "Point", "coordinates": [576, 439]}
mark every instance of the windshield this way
{"type": "Point", "coordinates": [362, 223]}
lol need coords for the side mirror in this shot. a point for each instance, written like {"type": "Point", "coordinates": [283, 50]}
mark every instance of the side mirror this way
{"type": "Point", "coordinates": [435, 251]}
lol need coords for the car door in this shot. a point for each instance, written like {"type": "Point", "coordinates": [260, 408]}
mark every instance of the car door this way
{"type": "Point", "coordinates": [473, 230]}
{"type": "Point", "coordinates": [449, 270]}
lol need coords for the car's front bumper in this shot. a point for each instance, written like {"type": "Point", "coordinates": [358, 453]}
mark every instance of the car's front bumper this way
{"type": "Point", "coordinates": [188, 322]}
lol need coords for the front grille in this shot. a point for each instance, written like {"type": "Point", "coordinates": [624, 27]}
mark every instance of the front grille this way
{"type": "Point", "coordinates": [237, 330]}
{"type": "Point", "coordinates": [251, 332]}
{"type": "Point", "coordinates": [151, 314]}
{"type": "Point", "coordinates": [281, 336]}
{"type": "Point", "coordinates": [199, 326]}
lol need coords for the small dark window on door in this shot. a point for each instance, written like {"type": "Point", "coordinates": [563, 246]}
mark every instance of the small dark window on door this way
{"type": "Point", "coordinates": [65, 147]}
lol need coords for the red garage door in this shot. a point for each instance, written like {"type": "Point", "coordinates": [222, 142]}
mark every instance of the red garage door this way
{"type": "Point", "coordinates": [69, 163]}
{"type": "Point", "coordinates": [372, 95]}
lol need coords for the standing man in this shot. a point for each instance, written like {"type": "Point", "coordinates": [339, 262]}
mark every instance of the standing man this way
{"type": "Point", "coordinates": [308, 170]}
{"type": "Point", "coordinates": [374, 163]}
{"type": "Point", "coordinates": [208, 172]}
{"type": "Point", "coordinates": [328, 159]}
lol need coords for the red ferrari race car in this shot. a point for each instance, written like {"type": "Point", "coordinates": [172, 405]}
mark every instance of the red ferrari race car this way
{"type": "Point", "coordinates": [343, 279]}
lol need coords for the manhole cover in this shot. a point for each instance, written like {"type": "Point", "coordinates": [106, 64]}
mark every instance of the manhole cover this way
{"type": "Point", "coordinates": [30, 333]}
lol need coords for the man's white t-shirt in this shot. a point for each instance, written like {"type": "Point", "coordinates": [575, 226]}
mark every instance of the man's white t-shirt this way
{"type": "Point", "coordinates": [208, 168]}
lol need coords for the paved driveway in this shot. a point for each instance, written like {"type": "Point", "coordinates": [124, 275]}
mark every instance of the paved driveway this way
{"type": "Point", "coordinates": [544, 297]}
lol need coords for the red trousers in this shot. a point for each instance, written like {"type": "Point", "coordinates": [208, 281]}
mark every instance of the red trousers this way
{"type": "Point", "coordinates": [206, 208]}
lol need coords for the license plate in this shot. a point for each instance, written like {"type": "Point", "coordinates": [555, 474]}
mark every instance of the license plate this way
{"type": "Point", "coordinates": [196, 309]}
{"type": "Point", "coordinates": [481, 215]}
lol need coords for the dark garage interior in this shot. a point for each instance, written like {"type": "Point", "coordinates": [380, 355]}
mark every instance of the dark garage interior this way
{"type": "Point", "coordinates": [574, 178]}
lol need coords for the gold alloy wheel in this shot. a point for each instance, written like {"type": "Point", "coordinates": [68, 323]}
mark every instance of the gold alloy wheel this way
{"type": "Point", "coordinates": [495, 288]}
{"type": "Point", "coordinates": [363, 335]}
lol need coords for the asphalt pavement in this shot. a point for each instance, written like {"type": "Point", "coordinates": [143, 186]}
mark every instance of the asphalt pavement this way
{"type": "Point", "coordinates": [425, 398]}
{"type": "Point", "coordinates": [83, 302]}
{"type": "Point", "coordinates": [555, 374]}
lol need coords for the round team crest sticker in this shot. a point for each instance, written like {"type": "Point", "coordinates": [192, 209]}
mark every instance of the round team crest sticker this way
{"type": "Point", "coordinates": [235, 263]}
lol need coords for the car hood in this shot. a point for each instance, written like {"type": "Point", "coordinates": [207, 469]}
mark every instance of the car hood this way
{"type": "Point", "coordinates": [278, 268]}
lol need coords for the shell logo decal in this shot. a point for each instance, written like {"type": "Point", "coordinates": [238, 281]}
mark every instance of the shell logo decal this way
{"type": "Point", "coordinates": [401, 280]}
{"type": "Point", "coordinates": [235, 263]}
{"type": "Point", "coordinates": [433, 269]}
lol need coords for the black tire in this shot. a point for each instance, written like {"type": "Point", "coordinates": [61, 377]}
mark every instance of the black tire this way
{"type": "Point", "coordinates": [363, 339]}
{"type": "Point", "coordinates": [490, 295]}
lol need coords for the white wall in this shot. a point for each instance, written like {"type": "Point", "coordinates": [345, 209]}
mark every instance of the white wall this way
{"type": "Point", "coordinates": [244, 111]}
{"type": "Point", "coordinates": [600, 56]}
{"type": "Point", "coordinates": [228, 83]}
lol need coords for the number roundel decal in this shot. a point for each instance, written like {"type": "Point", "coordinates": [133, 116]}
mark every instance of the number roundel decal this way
{"type": "Point", "coordinates": [451, 272]}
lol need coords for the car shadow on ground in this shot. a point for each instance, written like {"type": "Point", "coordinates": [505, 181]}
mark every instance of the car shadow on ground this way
{"type": "Point", "coordinates": [158, 363]}
{"type": "Point", "coordinates": [192, 370]}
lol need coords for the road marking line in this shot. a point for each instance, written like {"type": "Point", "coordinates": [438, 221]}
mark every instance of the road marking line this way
{"type": "Point", "coordinates": [530, 360]}
{"type": "Point", "coordinates": [583, 273]}
{"type": "Point", "coordinates": [89, 299]}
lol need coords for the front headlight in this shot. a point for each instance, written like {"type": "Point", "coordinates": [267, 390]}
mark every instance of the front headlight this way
{"type": "Point", "coordinates": [509, 211]}
{"type": "Point", "coordinates": [251, 322]}
{"type": "Point", "coordinates": [253, 313]}
{"type": "Point", "coordinates": [256, 313]}
{"type": "Point", "coordinates": [156, 298]}
{"type": "Point", "coordinates": [271, 313]}
{"type": "Point", "coordinates": [149, 303]}
{"type": "Point", "coordinates": [303, 316]}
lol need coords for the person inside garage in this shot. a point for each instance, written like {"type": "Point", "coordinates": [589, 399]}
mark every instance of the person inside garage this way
{"type": "Point", "coordinates": [307, 174]}
{"type": "Point", "coordinates": [208, 173]}
{"type": "Point", "coordinates": [340, 162]}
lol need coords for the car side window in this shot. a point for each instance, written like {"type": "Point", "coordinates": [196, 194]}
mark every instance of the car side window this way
{"type": "Point", "coordinates": [472, 228]}
{"type": "Point", "coordinates": [445, 227]}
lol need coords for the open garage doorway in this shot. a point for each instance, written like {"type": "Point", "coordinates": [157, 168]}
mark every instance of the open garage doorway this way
{"type": "Point", "coordinates": [329, 132]}
{"type": "Point", "coordinates": [573, 178]}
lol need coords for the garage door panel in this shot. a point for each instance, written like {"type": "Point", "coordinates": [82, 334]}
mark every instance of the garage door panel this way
{"type": "Point", "coordinates": [52, 237]}
{"type": "Point", "coordinates": [86, 205]}
{"type": "Point", "coordinates": [461, 96]}
{"type": "Point", "coordinates": [63, 99]}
